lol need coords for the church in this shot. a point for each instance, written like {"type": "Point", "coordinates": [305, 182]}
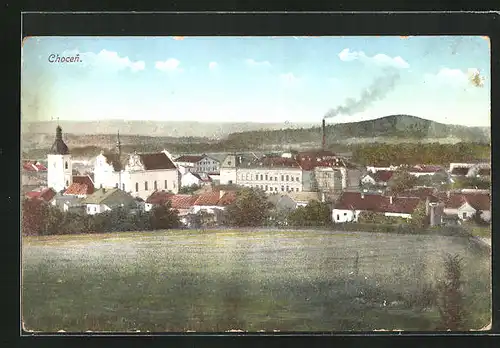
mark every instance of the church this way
{"type": "Point", "coordinates": [139, 175]}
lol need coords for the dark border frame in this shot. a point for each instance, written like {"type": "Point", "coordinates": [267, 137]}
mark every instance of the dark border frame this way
{"type": "Point", "coordinates": [254, 24]}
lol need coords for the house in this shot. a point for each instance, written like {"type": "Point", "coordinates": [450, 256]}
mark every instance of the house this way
{"type": "Point", "coordinates": [46, 194]}
{"type": "Point", "coordinates": [197, 164]}
{"type": "Point", "coordinates": [377, 178]}
{"type": "Point", "coordinates": [141, 174]}
{"type": "Point", "coordinates": [106, 199]}
{"type": "Point", "coordinates": [374, 169]}
{"type": "Point", "coordinates": [69, 203]}
{"type": "Point", "coordinates": [33, 175]}
{"type": "Point", "coordinates": [301, 199]}
{"type": "Point", "coordinates": [157, 198]}
{"type": "Point", "coordinates": [214, 203]}
{"type": "Point", "coordinates": [466, 205]}
{"type": "Point", "coordinates": [81, 186]}
{"type": "Point", "coordinates": [199, 179]}
{"type": "Point", "coordinates": [470, 169]}
{"type": "Point", "coordinates": [351, 204]}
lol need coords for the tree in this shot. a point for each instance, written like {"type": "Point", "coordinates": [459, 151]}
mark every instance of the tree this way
{"type": "Point", "coordinates": [450, 298]}
{"type": "Point", "coordinates": [189, 189]}
{"type": "Point", "coordinates": [251, 208]}
{"type": "Point", "coordinates": [402, 181]}
{"type": "Point", "coordinates": [164, 217]}
{"type": "Point", "coordinates": [313, 214]}
{"type": "Point", "coordinates": [419, 218]}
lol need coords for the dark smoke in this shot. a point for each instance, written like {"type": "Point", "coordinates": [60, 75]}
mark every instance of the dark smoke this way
{"type": "Point", "coordinates": [376, 91]}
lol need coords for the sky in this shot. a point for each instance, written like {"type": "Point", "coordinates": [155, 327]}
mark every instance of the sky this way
{"type": "Point", "coordinates": [256, 79]}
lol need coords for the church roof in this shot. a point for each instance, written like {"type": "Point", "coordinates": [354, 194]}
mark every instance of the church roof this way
{"type": "Point", "coordinates": [114, 160]}
{"type": "Point", "coordinates": [155, 161]}
{"type": "Point", "coordinates": [59, 147]}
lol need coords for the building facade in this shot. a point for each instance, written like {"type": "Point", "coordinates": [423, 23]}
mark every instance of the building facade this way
{"type": "Point", "coordinates": [197, 164]}
{"type": "Point", "coordinates": [142, 174]}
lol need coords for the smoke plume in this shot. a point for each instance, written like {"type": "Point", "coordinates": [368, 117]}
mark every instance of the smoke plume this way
{"type": "Point", "coordinates": [379, 88]}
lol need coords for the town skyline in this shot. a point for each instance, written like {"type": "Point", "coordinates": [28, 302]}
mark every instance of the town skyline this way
{"type": "Point", "coordinates": [255, 79]}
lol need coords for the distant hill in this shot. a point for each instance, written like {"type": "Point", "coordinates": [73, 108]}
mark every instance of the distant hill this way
{"type": "Point", "coordinates": [394, 128]}
{"type": "Point", "coordinates": [211, 130]}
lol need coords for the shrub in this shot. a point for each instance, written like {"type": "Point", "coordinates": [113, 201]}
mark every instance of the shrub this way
{"type": "Point", "coordinates": [450, 297]}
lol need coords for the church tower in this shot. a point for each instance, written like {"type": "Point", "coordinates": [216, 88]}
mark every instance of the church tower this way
{"type": "Point", "coordinates": [59, 169]}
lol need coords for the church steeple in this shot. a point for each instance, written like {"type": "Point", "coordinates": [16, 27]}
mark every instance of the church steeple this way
{"type": "Point", "coordinates": [59, 147]}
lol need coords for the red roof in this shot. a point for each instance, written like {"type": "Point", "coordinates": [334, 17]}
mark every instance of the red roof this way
{"type": "Point", "coordinates": [476, 200]}
{"type": "Point", "coordinates": [154, 161]}
{"type": "Point", "coordinates": [382, 175]}
{"type": "Point", "coordinates": [159, 197]}
{"type": "Point", "coordinates": [82, 185]}
{"type": "Point", "coordinates": [376, 203]}
{"type": "Point", "coordinates": [208, 198]}
{"type": "Point", "coordinates": [34, 166]}
{"type": "Point", "coordinates": [183, 201]}
{"type": "Point", "coordinates": [227, 199]}
{"type": "Point", "coordinates": [278, 162]}
{"type": "Point", "coordinates": [189, 159]}
{"type": "Point", "coordinates": [47, 194]}
{"type": "Point", "coordinates": [421, 192]}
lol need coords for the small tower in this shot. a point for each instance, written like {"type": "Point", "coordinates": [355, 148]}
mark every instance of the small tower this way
{"type": "Point", "coordinates": [59, 169]}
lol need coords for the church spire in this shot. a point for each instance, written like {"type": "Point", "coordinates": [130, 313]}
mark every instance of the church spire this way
{"type": "Point", "coordinates": [59, 147]}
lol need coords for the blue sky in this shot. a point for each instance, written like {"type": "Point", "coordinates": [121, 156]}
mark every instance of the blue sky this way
{"type": "Point", "coordinates": [253, 79]}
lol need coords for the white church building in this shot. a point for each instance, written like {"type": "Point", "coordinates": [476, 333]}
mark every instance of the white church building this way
{"type": "Point", "coordinates": [139, 175]}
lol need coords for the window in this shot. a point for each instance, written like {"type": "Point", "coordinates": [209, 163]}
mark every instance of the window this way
{"type": "Point", "coordinates": [261, 177]}
{"type": "Point", "coordinates": [174, 184]}
{"type": "Point", "coordinates": [282, 178]}
{"type": "Point", "coordinates": [464, 215]}
{"type": "Point", "coordinates": [275, 189]}
{"type": "Point", "coordinates": [95, 209]}
{"type": "Point", "coordinates": [145, 185]}
{"type": "Point", "coordinates": [67, 183]}
{"type": "Point", "coordinates": [230, 181]}
{"type": "Point", "coordinates": [345, 214]}
{"type": "Point", "coordinates": [287, 189]}
{"type": "Point", "coordinates": [116, 185]}
{"type": "Point", "coordinates": [165, 184]}
{"type": "Point", "coordinates": [266, 177]}
{"type": "Point", "coordinates": [155, 185]}
{"type": "Point", "coordinates": [136, 187]}
{"type": "Point", "coordinates": [338, 217]}
{"type": "Point", "coordinates": [66, 165]}
{"type": "Point", "coordinates": [287, 178]}
{"type": "Point", "coordinates": [266, 188]}
{"type": "Point", "coordinates": [296, 189]}
{"type": "Point", "coordinates": [123, 187]}
{"type": "Point", "coordinates": [228, 163]}
{"type": "Point", "coordinates": [297, 179]}
{"type": "Point", "coordinates": [275, 178]}
{"type": "Point", "coordinates": [282, 188]}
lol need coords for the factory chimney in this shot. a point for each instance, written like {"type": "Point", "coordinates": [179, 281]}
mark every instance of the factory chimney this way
{"type": "Point", "coordinates": [323, 132]}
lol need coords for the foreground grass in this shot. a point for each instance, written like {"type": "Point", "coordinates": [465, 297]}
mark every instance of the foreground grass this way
{"type": "Point", "coordinates": [216, 281]}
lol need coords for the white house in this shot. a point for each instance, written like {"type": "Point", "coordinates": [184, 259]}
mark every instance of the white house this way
{"type": "Point", "coordinates": [198, 164]}
{"type": "Point", "coordinates": [466, 205]}
{"type": "Point", "coordinates": [106, 199]}
{"type": "Point", "coordinates": [142, 174]}
{"type": "Point", "coordinates": [59, 169]}
{"type": "Point", "coordinates": [189, 179]}
{"type": "Point", "coordinates": [351, 204]}
{"type": "Point", "coordinates": [378, 178]}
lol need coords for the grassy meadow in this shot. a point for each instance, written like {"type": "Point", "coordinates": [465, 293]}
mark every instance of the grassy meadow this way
{"type": "Point", "coordinates": [209, 281]}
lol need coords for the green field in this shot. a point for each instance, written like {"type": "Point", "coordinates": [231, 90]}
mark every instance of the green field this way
{"type": "Point", "coordinates": [217, 281]}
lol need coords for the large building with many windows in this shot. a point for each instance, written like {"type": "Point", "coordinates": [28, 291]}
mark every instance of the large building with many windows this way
{"type": "Point", "coordinates": [304, 171]}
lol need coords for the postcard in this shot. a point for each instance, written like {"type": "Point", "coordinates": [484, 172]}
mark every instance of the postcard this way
{"type": "Point", "coordinates": [255, 184]}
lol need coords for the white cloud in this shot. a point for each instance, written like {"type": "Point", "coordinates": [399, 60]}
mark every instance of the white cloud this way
{"type": "Point", "coordinates": [109, 60]}
{"type": "Point", "coordinates": [170, 65]}
{"type": "Point", "coordinates": [212, 65]}
{"type": "Point", "coordinates": [453, 77]}
{"type": "Point", "coordinates": [253, 62]}
{"type": "Point", "coordinates": [379, 59]}
{"type": "Point", "coordinates": [289, 79]}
